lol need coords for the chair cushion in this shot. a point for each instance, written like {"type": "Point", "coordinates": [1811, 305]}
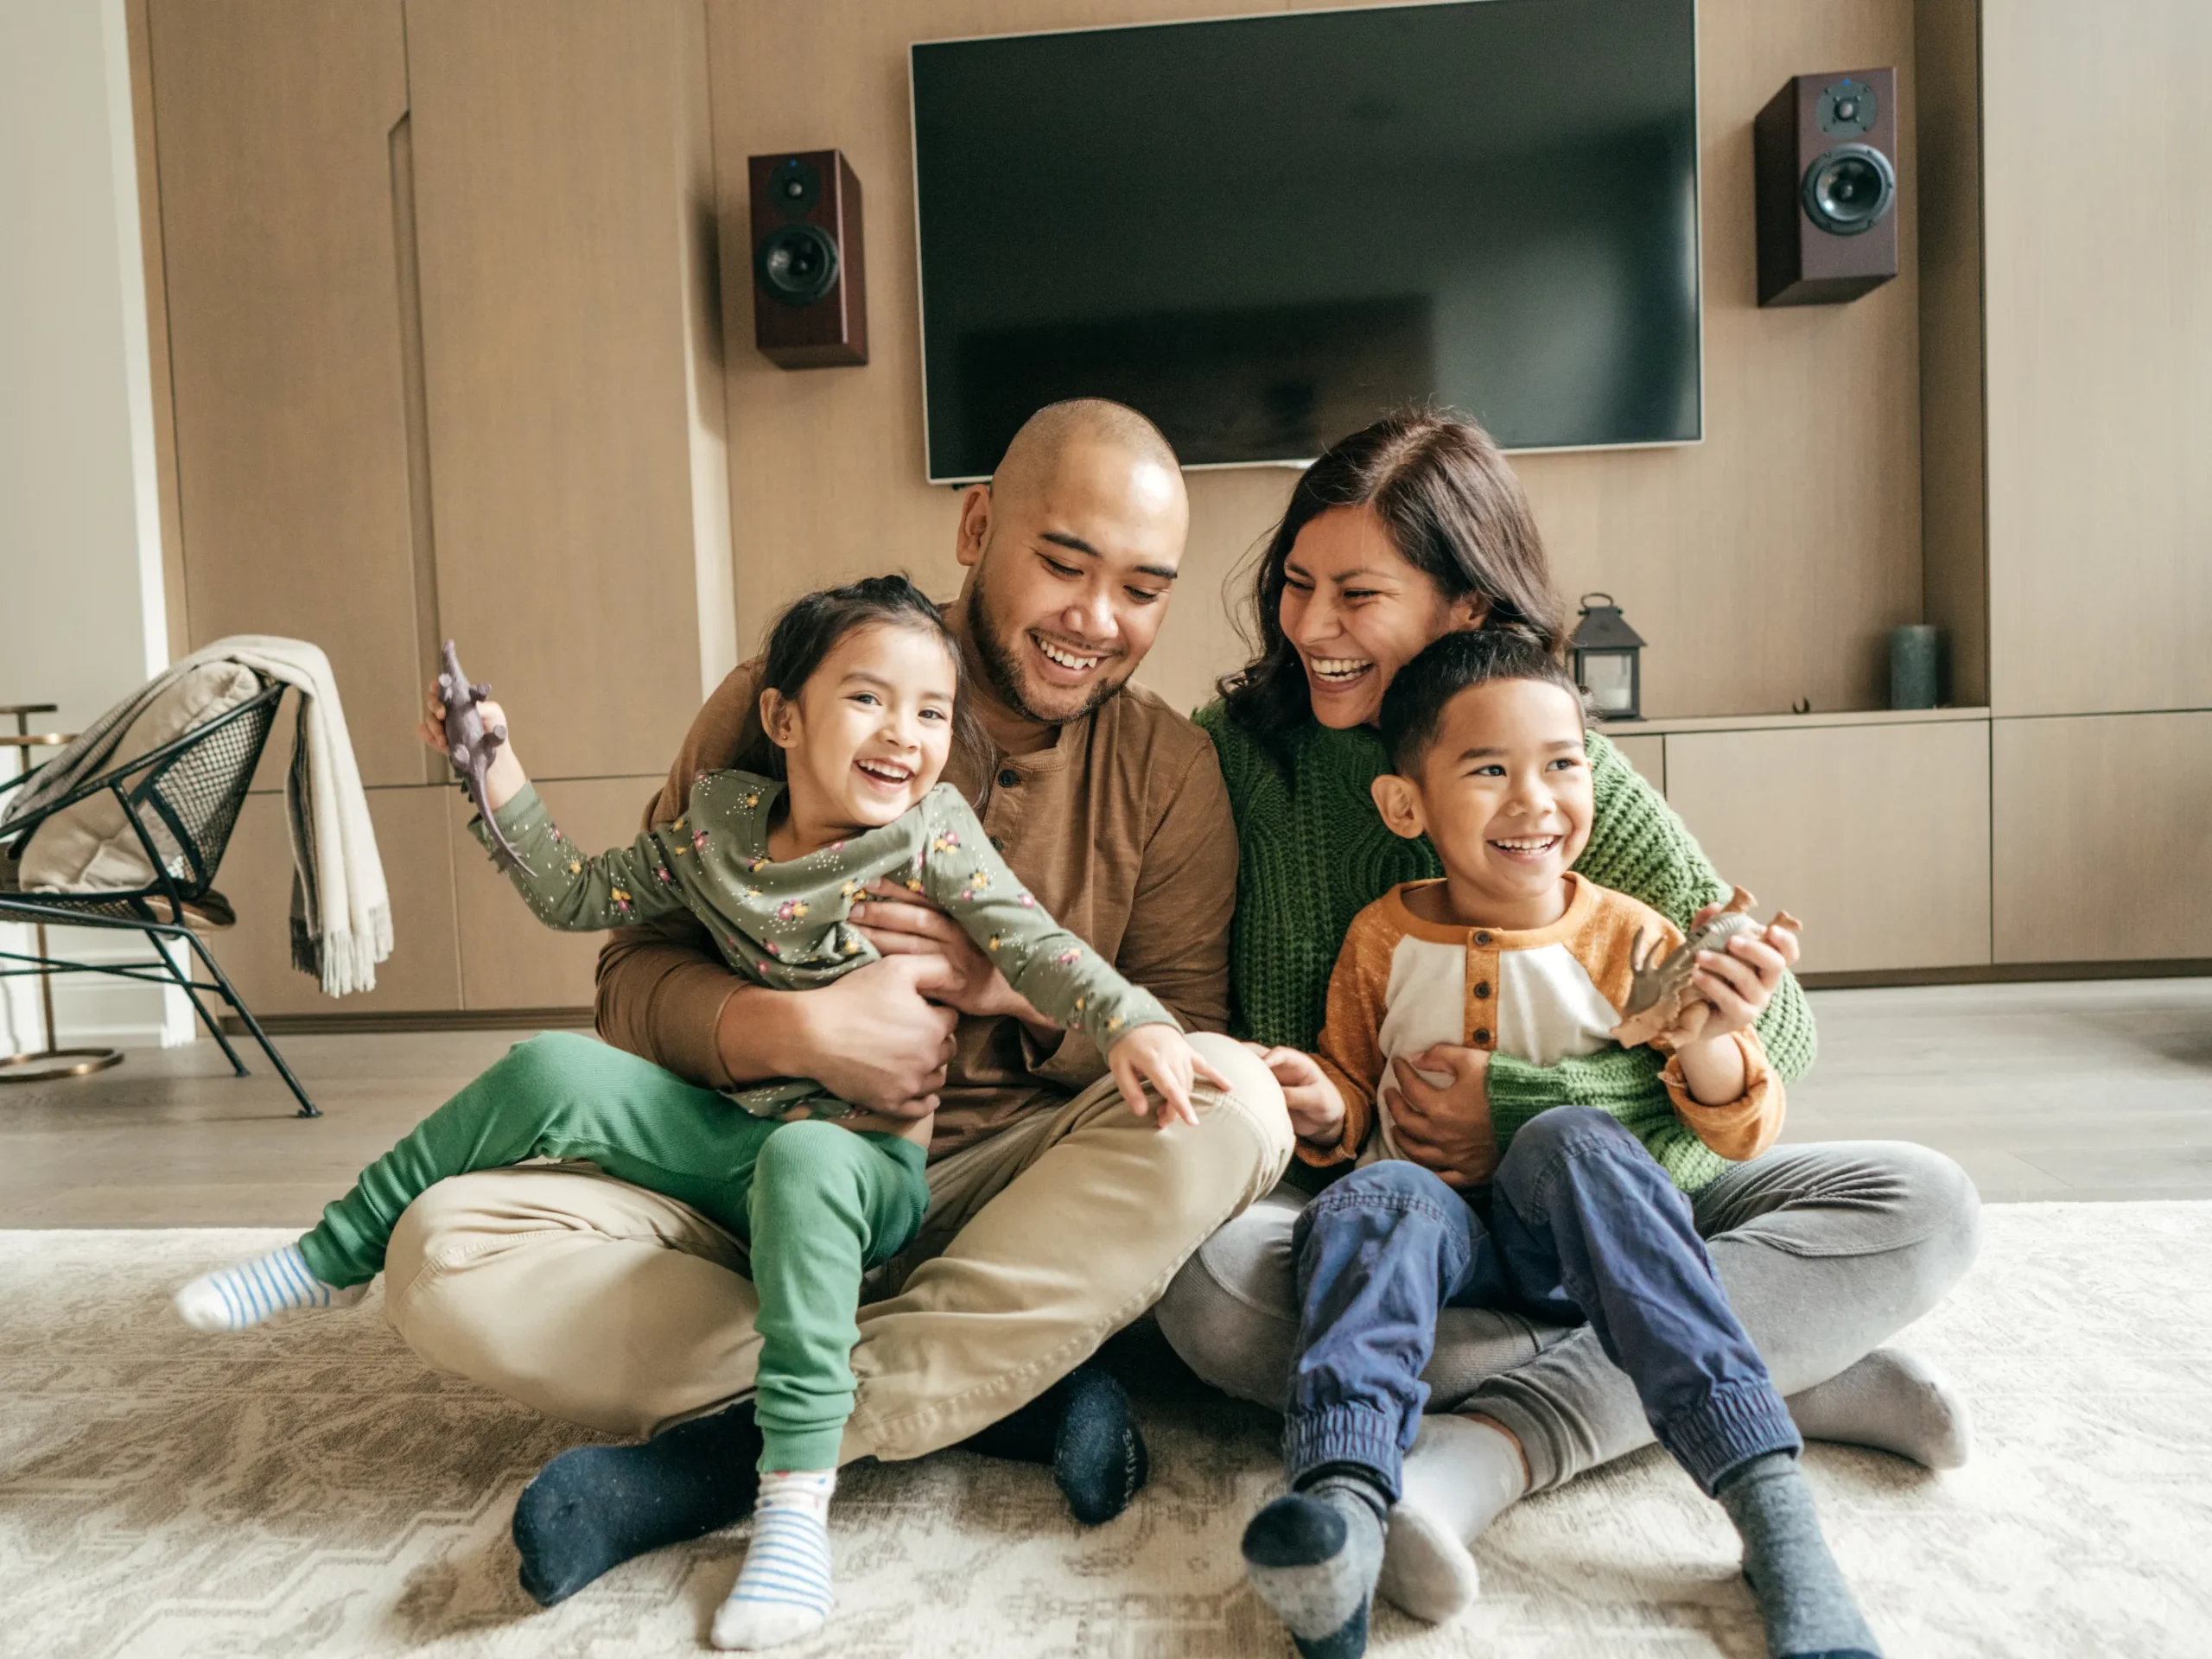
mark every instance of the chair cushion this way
{"type": "Point", "coordinates": [91, 847]}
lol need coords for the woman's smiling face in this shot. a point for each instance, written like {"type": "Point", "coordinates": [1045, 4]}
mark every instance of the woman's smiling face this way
{"type": "Point", "coordinates": [1357, 612]}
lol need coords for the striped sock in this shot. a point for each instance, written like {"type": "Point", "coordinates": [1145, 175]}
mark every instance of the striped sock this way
{"type": "Point", "coordinates": [240, 1298]}
{"type": "Point", "coordinates": [783, 1591]}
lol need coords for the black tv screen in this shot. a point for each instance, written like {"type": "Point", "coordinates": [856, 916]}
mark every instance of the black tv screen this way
{"type": "Point", "coordinates": [1264, 232]}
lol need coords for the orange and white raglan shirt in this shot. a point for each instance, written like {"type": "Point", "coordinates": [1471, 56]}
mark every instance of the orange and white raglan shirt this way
{"type": "Point", "coordinates": [1402, 984]}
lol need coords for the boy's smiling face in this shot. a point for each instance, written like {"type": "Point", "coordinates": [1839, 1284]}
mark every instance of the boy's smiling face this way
{"type": "Point", "coordinates": [1504, 794]}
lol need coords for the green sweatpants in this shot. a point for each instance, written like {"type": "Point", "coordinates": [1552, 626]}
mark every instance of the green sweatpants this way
{"type": "Point", "coordinates": [817, 1204]}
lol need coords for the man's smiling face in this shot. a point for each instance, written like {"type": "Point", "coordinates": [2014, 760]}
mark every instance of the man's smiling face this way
{"type": "Point", "coordinates": [1070, 566]}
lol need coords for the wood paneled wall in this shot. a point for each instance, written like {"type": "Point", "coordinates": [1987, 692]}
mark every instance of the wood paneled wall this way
{"type": "Point", "coordinates": [2098, 247]}
{"type": "Point", "coordinates": [1764, 564]}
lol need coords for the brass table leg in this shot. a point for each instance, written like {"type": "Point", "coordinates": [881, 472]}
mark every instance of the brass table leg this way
{"type": "Point", "coordinates": [50, 1063]}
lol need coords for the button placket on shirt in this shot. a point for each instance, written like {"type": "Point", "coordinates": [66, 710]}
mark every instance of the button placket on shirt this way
{"type": "Point", "coordinates": [1481, 989]}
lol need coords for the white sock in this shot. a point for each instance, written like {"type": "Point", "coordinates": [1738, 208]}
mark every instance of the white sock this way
{"type": "Point", "coordinates": [252, 1292]}
{"type": "Point", "coordinates": [1461, 1475]}
{"type": "Point", "coordinates": [782, 1593]}
{"type": "Point", "coordinates": [1892, 1399]}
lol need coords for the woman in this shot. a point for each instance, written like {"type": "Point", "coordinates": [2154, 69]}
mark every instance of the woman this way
{"type": "Point", "coordinates": [1403, 532]}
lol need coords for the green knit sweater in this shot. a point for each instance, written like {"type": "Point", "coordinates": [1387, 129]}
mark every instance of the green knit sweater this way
{"type": "Point", "coordinates": [1313, 852]}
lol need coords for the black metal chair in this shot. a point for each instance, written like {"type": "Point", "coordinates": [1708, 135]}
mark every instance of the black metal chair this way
{"type": "Point", "coordinates": [183, 800]}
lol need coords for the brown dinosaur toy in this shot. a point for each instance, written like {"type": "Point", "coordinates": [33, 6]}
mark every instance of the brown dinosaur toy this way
{"type": "Point", "coordinates": [471, 745]}
{"type": "Point", "coordinates": [1661, 1009]}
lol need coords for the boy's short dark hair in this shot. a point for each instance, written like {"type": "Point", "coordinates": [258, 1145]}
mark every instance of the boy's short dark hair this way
{"type": "Point", "coordinates": [1413, 707]}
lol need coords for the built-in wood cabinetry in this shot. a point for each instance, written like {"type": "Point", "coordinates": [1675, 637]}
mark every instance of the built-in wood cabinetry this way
{"type": "Point", "coordinates": [1875, 835]}
{"type": "Point", "coordinates": [417, 845]}
{"type": "Point", "coordinates": [272, 128]}
{"type": "Point", "coordinates": [445, 361]}
{"type": "Point", "coordinates": [2103, 849]}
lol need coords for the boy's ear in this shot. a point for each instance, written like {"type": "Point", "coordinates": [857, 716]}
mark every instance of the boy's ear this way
{"type": "Point", "coordinates": [1398, 799]}
{"type": "Point", "coordinates": [778, 718]}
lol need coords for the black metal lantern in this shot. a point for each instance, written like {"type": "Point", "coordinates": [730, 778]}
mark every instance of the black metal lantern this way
{"type": "Point", "coordinates": [1607, 662]}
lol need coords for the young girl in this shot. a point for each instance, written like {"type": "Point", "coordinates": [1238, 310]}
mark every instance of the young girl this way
{"type": "Point", "coordinates": [857, 714]}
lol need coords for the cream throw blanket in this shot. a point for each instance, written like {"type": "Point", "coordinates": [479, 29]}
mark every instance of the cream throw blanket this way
{"type": "Point", "coordinates": [341, 912]}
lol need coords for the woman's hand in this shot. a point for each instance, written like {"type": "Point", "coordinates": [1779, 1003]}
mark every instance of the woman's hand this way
{"type": "Point", "coordinates": [1161, 1056]}
{"type": "Point", "coordinates": [900, 923]}
{"type": "Point", "coordinates": [1317, 1108]}
{"type": "Point", "coordinates": [1740, 981]}
{"type": "Point", "coordinates": [1444, 1128]}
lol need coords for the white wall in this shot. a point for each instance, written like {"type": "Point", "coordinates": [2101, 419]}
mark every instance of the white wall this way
{"type": "Point", "coordinates": [82, 620]}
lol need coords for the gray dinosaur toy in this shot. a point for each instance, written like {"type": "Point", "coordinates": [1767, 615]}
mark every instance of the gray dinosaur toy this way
{"type": "Point", "coordinates": [1661, 1003]}
{"type": "Point", "coordinates": [471, 745]}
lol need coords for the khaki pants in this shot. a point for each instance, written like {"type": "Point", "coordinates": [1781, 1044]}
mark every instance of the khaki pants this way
{"type": "Point", "coordinates": [612, 1306]}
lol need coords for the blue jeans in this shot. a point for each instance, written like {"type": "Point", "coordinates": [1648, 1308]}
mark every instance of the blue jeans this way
{"type": "Point", "coordinates": [1582, 1227]}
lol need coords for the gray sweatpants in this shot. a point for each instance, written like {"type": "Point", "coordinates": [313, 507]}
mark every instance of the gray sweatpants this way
{"type": "Point", "coordinates": [1826, 1252]}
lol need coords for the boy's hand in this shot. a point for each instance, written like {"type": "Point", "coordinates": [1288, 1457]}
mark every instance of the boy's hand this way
{"type": "Point", "coordinates": [1317, 1108]}
{"type": "Point", "coordinates": [504, 779]}
{"type": "Point", "coordinates": [1162, 1056]}
{"type": "Point", "coordinates": [1738, 983]}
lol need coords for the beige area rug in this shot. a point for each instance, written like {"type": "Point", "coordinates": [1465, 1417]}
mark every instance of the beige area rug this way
{"type": "Point", "coordinates": [312, 1490]}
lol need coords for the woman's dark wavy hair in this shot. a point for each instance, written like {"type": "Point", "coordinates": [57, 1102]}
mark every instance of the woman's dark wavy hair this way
{"type": "Point", "coordinates": [808, 629]}
{"type": "Point", "coordinates": [1455, 512]}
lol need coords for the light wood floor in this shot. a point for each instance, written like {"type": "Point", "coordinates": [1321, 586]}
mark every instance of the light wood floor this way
{"type": "Point", "coordinates": [2100, 1090]}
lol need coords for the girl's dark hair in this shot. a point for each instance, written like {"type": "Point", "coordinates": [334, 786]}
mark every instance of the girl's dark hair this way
{"type": "Point", "coordinates": [1455, 512]}
{"type": "Point", "coordinates": [810, 629]}
{"type": "Point", "coordinates": [1413, 702]}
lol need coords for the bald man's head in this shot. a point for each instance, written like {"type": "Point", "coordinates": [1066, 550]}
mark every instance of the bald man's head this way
{"type": "Point", "coordinates": [1072, 550]}
{"type": "Point", "coordinates": [1047, 436]}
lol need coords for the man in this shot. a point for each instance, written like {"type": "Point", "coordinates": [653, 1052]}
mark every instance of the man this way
{"type": "Point", "coordinates": [1057, 1214]}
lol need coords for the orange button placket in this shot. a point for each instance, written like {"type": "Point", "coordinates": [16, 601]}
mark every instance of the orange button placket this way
{"type": "Point", "coordinates": [1482, 984]}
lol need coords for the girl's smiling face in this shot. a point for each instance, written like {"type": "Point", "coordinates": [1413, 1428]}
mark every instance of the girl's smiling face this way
{"type": "Point", "coordinates": [870, 733]}
{"type": "Point", "coordinates": [1357, 611]}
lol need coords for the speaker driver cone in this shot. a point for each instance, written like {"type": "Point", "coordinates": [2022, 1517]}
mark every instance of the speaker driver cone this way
{"type": "Point", "coordinates": [1850, 189]}
{"type": "Point", "coordinates": [797, 264]}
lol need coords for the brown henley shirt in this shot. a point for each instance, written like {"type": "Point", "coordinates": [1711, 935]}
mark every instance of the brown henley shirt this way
{"type": "Point", "coordinates": [1121, 829]}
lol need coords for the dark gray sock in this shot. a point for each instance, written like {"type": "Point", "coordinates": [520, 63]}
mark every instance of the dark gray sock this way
{"type": "Point", "coordinates": [596, 1507]}
{"type": "Point", "coordinates": [1313, 1557]}
{"type": "Point", "coordinates": [1809, 1610]}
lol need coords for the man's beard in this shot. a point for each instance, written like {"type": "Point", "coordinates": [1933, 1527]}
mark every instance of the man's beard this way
{"type": "Point", "coordinates": [1002, 666]}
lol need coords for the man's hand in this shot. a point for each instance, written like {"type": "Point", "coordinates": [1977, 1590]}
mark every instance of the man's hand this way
{"type": "Point", "coordinates": [1740, 981]}
{"type": "Point", "coordinates": [874, 1037]}
{"type": "Point", "coordinates": [902, 923]}
{"type": "Point", "coordinates": [1446, 1128]}
{"type": "Point", "coordinates": [1161, 1056]}
{"type": "Point", "coordinates": [1317, 1108]}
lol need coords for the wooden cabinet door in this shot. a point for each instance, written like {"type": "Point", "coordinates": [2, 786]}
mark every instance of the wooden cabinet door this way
{"type": "Point", "coordinates": [560, 161]}
{"type": "Point", "coordinates": [2102, 838]}
{"type": "Point", "coordinates": [1876, 836]}
{"type": "Point", "coordinates": [2100, 355]}
{"type": "Point", "coordinates": [273, 129]}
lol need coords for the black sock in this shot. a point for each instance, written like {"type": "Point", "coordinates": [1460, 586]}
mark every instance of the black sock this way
{"type": "Point", "coordinates": [1084, 1428]}
{"type": "Point", "coordinates": [597, 1506]}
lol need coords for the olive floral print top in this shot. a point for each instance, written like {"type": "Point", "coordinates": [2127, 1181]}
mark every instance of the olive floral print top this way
{"type": "Point", "coordinates": [788, 925]}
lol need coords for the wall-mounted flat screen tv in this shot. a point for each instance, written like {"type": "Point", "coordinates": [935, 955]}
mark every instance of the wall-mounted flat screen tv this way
{"type": "Point", "coordinates": [1263, 231]}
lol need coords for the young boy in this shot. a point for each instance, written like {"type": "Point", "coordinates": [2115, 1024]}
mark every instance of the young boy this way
{"type": "Point", "coordinates": [1583, 1217]}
